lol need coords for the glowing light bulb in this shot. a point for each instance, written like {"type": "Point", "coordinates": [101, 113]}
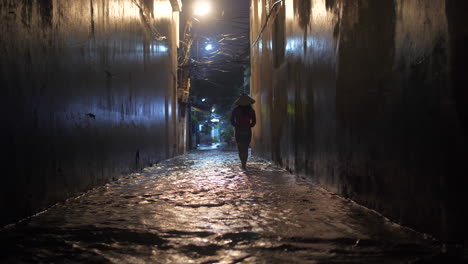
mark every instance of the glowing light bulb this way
{"type": "Point", "coordinates": [201, 8]}
{"type": "Point", "coordinates": [208, 47]}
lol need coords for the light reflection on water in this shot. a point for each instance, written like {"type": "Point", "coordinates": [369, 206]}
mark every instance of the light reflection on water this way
{"type": "Point", "coordinates": [201, 208]}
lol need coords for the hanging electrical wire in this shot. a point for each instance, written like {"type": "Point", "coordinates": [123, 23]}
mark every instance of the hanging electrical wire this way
{"type": "Point", "coordinates": [229, 50]}
{"type": "Point", "coordinates": [275, 4]}
{"type": "Point", "coordinates": [146, 22]}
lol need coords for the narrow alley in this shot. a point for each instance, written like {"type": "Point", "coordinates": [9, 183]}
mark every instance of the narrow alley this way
{"type": "Point", "coordinates": [125, 129]}
{"type": "Point", "coordinates": [202, 208]}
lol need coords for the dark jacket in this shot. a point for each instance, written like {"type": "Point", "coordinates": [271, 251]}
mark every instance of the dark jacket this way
{"type": "Point", "coordinates": [243, 118]}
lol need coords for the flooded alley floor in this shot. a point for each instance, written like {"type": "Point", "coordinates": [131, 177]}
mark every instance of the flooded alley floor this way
{"type": "Point", "coordinates": [202, 208]}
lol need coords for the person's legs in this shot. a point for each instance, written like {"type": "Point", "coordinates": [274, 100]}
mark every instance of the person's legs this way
{"type": "Point", "coordinates": [243, 141]}
{"type": "Point", "coordinates": [243, 148]}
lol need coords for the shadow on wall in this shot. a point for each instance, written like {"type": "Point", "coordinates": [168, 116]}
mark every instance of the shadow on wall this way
{"type": "Point", "coordinates": [457, 181]}
{"type": "Point", "coordinates": [148, 6]}
{"type": "Point", "coordinates": [303, 9]}
{"type": "Point", "coordinates": [456, 13]}
{"type": "Point", "coordinates": [46, 10]}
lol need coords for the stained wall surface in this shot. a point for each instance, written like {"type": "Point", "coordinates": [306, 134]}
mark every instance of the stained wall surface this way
{"type": "Point", "coordinates": [88, 93]}
{"type": "Point", "coordinates": [368, 98]}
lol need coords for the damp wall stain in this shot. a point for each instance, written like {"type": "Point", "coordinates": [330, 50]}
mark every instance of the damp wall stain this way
{"type": "Point", "coordinates": [369, 102]}
{"type": "Point", "coordinates": [84, 96]}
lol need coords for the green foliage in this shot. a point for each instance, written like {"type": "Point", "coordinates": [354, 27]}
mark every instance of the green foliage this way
{"type": "Point", "coordinates": [227, 133]}
{"type": "Point", "coordinates": [194, 119]}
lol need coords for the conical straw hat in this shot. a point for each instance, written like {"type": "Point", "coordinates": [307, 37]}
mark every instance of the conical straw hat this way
{"type": "Point", "coordinates": [244, 100]}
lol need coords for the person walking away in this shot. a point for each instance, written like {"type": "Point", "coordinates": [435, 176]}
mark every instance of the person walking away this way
{"type": "Point", "coordinates": [243, 119]}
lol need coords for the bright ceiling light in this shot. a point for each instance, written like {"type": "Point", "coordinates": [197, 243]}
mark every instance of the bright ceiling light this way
{"type": "Point", "coordinates": [201, 8]}
{"type": "Point", "coordinates": [209, 47]}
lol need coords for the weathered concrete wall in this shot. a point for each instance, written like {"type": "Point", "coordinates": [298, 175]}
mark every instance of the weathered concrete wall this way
{"type": "Point", "coordinates": [369, 99]}
{"type": "Point", "coordinates": [88, 92]}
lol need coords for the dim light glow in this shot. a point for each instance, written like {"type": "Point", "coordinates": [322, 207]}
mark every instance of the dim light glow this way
{"type": "Point", "coordinates": [203, 100]}
{"type": "Point", "coordinates": [202, 8]}
{"type": "Point", "coordinates": [163, 48]}
{"type": "Point", "coordinates": [123, 11]}
{"type": "Point", "coordinates": [289, 5]}
{"type": "Point", "coordinates": [162, 10]}
{"type": "Point", "coordinates": [215, 120]}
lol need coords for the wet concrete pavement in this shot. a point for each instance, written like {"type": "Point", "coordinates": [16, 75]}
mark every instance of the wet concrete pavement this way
{"type": "Point", "coordinates": [202, 208]}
